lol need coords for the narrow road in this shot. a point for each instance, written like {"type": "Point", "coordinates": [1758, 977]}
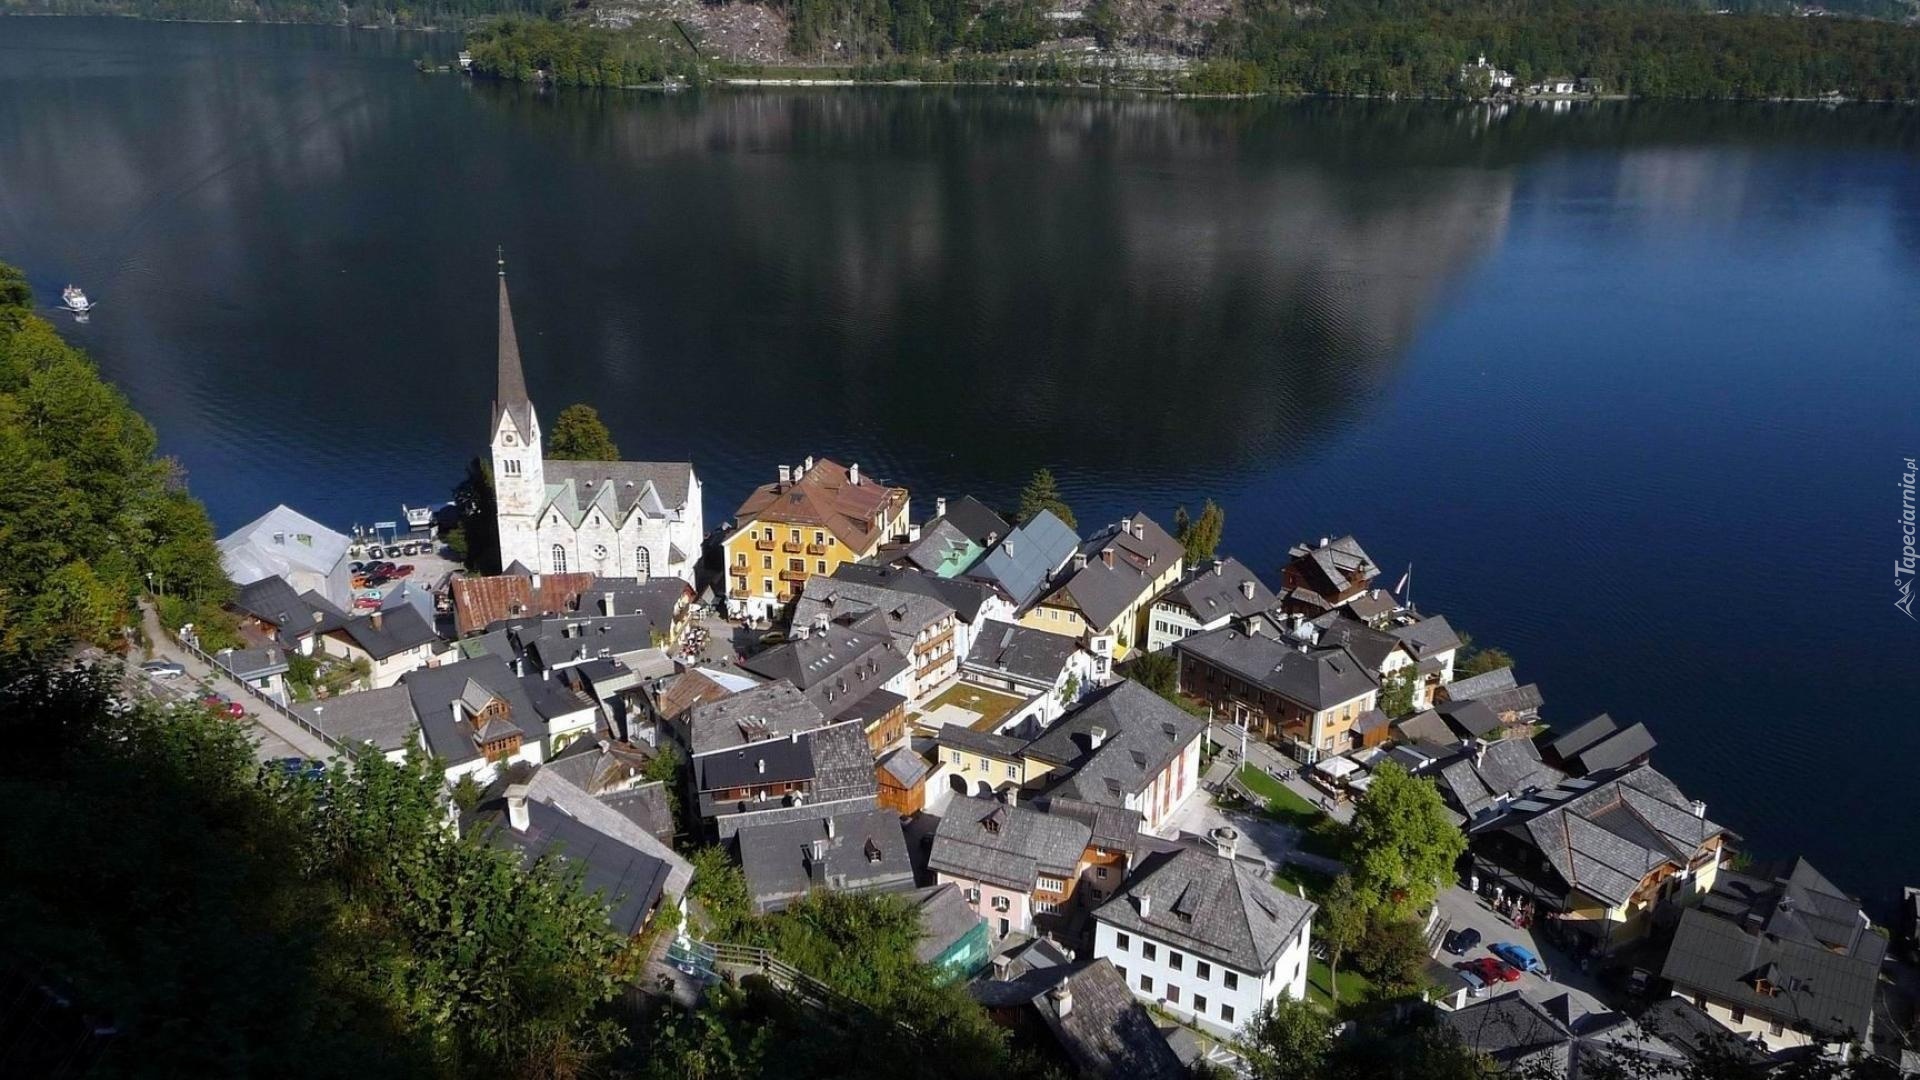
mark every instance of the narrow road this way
{"type": "Point", "coordinates": [274, 737]}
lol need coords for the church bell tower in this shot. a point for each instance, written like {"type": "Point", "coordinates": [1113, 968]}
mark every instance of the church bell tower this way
{"type": "Point", "coordinates": [519, 480]}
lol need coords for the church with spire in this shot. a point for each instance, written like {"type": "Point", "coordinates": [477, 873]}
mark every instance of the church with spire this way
{"type": "Point", "coordinates": [637, 519]}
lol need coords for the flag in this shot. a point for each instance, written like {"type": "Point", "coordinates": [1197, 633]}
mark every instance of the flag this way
{"type": "Point", "coordinates": [1404, 578]}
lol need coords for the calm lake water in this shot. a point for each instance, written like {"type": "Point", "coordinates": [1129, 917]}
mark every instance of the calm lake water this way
{"type": "Point", "coordinates": [1629, 386]}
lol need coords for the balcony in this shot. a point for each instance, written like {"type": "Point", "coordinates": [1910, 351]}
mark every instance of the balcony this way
{"type": "Point", "coordinates": [763, 545]}
{"type": "Point", "coordinates": [816, 549]}
{"type": "Point", "coordinates": [738, 592]}
{"type": "Point", "coordinates": [795, 576]}
{"type": "Point", "coordinates": [791, 547]}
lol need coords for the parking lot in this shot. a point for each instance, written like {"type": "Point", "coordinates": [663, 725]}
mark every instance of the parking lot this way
{"type": "Point", "coordinates": [1463, 909]}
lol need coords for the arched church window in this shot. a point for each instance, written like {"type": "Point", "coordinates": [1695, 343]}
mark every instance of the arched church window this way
{"type": "Point", "coordinates": [559, 559]}
{"type": "Point", "coordinates": [642, 562]}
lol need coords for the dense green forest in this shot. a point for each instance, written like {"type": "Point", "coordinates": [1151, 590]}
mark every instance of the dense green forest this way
{"type": "Point", "coordinates": [89, 516]}
{"type": "Point", "coordinates": [574, 54]}
{"type": "Point", "coordinates": [356, 13]}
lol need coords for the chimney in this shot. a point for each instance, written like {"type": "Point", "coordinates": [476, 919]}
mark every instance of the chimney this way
{"type": "Point", "coordinates": [1010, 795]}
{"type": "Point", "coordinates": [1219, 567]}
{"type": "Point", "coordinates": [940, 507]}
{"type": "Point", "coordinates": [793, 737]}
{"type": "Point", "coordinates": [808, 467]}
{"type": "Point", "coordinates": [606, 603]}
{"type": "Point", "coordinates": [519, 666]}
{"type": "Point", "coordinates": [1699, 809]}
{"type": "Point", "coordinates": [1062, 998]}
{"type": "Point", "coordinates": [913, 534]}
{"type": "Point", "coordinates": [1139, 530]}
{"type": "Point", "coordinates": [1096, 735]}
{"type": "Point", "coordinates": [786, 475]}
{"type": "Point", "coordinates": [829, 828]}
{"type": "Point", "coordinates": [1106, 556]}
{"type": "Point", "coordinates": [376, 618]}
{"type": "Point", "coordinates": [992, 538]}
{"type": "Point", "coordinates": [1246, 589]}
{"type": "Point", "coordinates": [1324, 541]}
{"type": "Point", "coordinates": [1226, 840]}
{"type": "Point", "coordinates": [1145, 903]}
{"type": "Point", "coordinates": [1008, 548]}
{"type": "Point", "coordinates": [517, 807]}
{"type": "Point", "coordinates": [853, 474]}
{"type": "Point", "coordinates": [1079, 560]}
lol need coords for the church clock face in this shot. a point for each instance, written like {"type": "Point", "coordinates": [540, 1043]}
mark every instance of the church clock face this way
{"type": "Point", "coordinates": [507, 439]}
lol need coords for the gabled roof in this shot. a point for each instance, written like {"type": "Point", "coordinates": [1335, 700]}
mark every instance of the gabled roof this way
{"type": "Point", "coordinates": [434, 690]}
{"type": "Point", "coordinates": [628, 881]}
{"type": "Point", "coordinates": [986, 840]}
{"type": "Point", "coordinates": [772, 710]}
{"type": "Point", "coordinates": [862, 851]}
{"type": "Point", "coordinates": [1430, 637]}
{"type": "Point", "coordinates": [1316, 679]}
{"type": "Point", "coordinates": [1474, 718]}
{"type": "Point", "coordinates": [963, 596]}
{"type": "Point", "coordinates": [384, 718]}
{"type": "Point", "coordinates": [1795, 902]}
{"type": "Point", "coordinates": [942, 550]}
{"type": "Point", "coordinates": [1809, 987]}
{"type": "Point", "coordinates": [904, 613]}
{"type": "Point", "coordinates": [837, 667]}
{"type": "Point", "coordinates": [1568, 746]}
{"type": "Point", "coordinates": [1115, 743]}
{"type": "Point", "coordinates": [292, 614]}
{"type": "Point", "coordinates": [1507, 767]}
{"type": "Point", "coordinates": [974, 519]}
{"type": "Point", "coordinates": [1622, 748]}
{"type": "Point", "coordinates": [1221, 908]}
{"type": "Point", "coordinates": [1022, 564]}
{"type": "Point", "coordinates": [826, 496]}
{"type": "Point", "coordinates": [254, 663]}
{"type": "Point", "coordinates": [1103, 1029]}
{"type": "Point", "coordinates": [384, 634]}
{"type": "Point", "coordinates": [279, 542]}
{"type": "Point", "coordinates": [1334, 567]}
{"type": "Point", "coordinates": [617, 490]}
{"type": "Point", "coordinates": [1369, 646]}
{"type": "Point", "coordinates": [1140, 550]}
{"type": "Point", "coordinates": [692, 687]}
{"type": "Point", "coordinates": [905, 766]}
{"type": "Point", "coordinates": [480, 602]}
{"type": "Point", "coordinates": [1219, 589]}
{"type": "Point", "coordinates": [548, 787]}
{"type": "Point", "coordinates": [1481, 685]}
{"type": "Point", "coordinates": [1030, 655]}
{"type": "Point", "coordinates": [945, 918]}
{"type": "Point", "coordinates": [1511, 1029]}
{"type": "Point", "coordinates": [1604, 838]}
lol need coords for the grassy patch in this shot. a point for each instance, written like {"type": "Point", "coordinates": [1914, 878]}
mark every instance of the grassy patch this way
{"type": "Point", "coordinates": [1319, 833]}
{"type": "Point", "coordinates": [991, 705]}
{"type": "Point", "coordinates": [1354, 988]}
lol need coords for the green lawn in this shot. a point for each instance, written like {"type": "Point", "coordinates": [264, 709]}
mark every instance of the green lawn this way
{"type": "Point", "coordinates": [1319, 834]}
{"type": "Point", "coordinates": [1354, 989]}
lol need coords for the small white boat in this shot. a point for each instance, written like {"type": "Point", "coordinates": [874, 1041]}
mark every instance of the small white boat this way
{"type": "Point", "coordinates": [76, 300]}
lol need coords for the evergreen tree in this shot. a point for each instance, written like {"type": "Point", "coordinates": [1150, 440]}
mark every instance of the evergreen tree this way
{"type": "Point", "coordinates": [1043, 493]}
{"type": "Point", "coordinates": [1200, 536]}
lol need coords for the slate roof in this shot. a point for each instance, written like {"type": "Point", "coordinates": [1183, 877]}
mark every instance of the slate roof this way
{"type": "Point", "coordinates": [986, 840]}
{"type": "Point", "coordinates": [695, 686]}
{"type": "Point", "coordinates": [254, 663]}
{"type": "Point", "coordinates": [1507, 767]}
{"type": "Point", "coordinates": [775, 761]}
{"type": "Point", "coordinates": [942, 550]}
{"type": "Point", "coordinates": [292, 614]}
{"type": "Point", "coordinates": [628, 881]}
{"type": "Point", "coordinates": [549, 787]}
{"type": "Point", "coordinates": [1819, 991]}
{"type": "Point", "coordinates": [824, 496]}
{"type": "Point", "coordinates": [1315, 680]}
{"type": "Point", "coordinates": [384, 718]}
{"type": "Point", "coordinates": [594, 765]}
{"type": "Point", "coordinates": [658, 598]}
{"type": "Point", "coordinates": [480, 602]}
{"type": "Point", "coordinates": [865, 851]}
{"type": "Point", "coordinates": [1115, 828]}
{"type": "Point", "coordinates": [1511, 1029]}
{"type": "Point", "coordinates": [1369, 646]}
{"type": "Point", "coordinates": [904, 614]}
{"type": "Point", "coordinates": [905, 766]}
{"type": "Point", "coordinates": [1622, 748]}
{"type": "Point", "coordinates": [1680, 1024]}
{"type": "Point", "coordinates": [1426, 726]}
{"type": "Point", "coordinates": [389, 633]}
{"type": "Point", "coordinates": [566, 638]}
{"type": "Point", "coordinates": [1795, 902]}
{"type": "Point", "coordinates": [1604, 838]}
{"type": "Point", "coordinates": [945, 917]}
{"type": "Point", "coordinates": [1430, 637]}
{"type": "Point", "coordinates": [1470, 718]}
{"type": "Point", "coordinates": [1022, 565]}
{"type": "Point", "coordinates": [975, 520]}
{"type": "Point", "coordinates": [837, 667]}
{"type": "Point", "coordinates": [1213, 591]}
{"type": "Point", "coordinates": [772, 710]}
{"type": "Point", "coordinates": [1144, 732]}
{"type": "Point", "coordinates": [617, 489]}
{"type": "Point", "coordinates": [1481, 685]}
{"type": "Point", "coordinates": [1568, 746]}
{"type": "Point", "coordinates": [1335, 567]}
{"type": "Point", "coordinates": [1220, 908]}
{"type": "Point", "coordinates": [1027, 654]}
{"type": "Point", "coordinates": [1005, 747]}
{"type": "Point", "coordinates": [278, 542]}
{"type": "Point", "coordinates": [964, 596]}
{"type": "Point", "coordinates": [1105, 1031]}
{"type": "Point", "coordinates": [433, 690]}
{"type": "Point", "coordinates": [1142, 552]}
{"type": "Point", "coordinates": [647, 806]}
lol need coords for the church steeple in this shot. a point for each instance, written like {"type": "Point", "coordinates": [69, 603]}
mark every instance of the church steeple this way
{"type": "Point", "coordinates": [510, 395]}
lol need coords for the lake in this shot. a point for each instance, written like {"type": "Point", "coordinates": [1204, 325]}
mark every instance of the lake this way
{"type": "Point", "coordinates": [1628, 386]}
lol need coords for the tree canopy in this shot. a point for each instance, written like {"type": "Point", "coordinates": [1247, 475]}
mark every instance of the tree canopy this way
{"type": "Point", "coordinates": [1043, 493]}
{"type": "Point", "coordinates": [1404, 845]}
{"type": "Point", "coordinates": [88, 510]}
{"type": "Point", "coordinates": [580, 435]}
{"type": "Point", "coordinates": [1201, 535]}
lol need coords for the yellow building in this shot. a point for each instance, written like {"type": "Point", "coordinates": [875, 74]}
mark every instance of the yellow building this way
{"type": "Point", "coordinates": [816, 516]}
{"type": "Point", "coordinates": [1103, 594]}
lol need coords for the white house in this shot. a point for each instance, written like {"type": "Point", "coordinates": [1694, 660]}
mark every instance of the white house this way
{"type": "Point", "coordinates": [1051, 671]}
{"type": "Point", "coordinates": [1206, 598]}
{"type": "Point", "coordinates": [291, 546]}
{"type": "Point", "coordinates": [1206, 937]}
{"type": "Point", "coordinates": [391, 642]}
{"type": "Point", "coordinates": [1124, 747]}
{"type": "Point", "coordinates": [611, 518]}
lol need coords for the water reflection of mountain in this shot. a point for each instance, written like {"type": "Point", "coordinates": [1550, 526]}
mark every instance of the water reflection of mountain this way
{"type": "Point", "coordinates": [1040, 268]}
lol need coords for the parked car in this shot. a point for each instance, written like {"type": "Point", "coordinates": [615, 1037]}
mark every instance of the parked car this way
{"type": "Point", "coordinates": [356, 567]}
{"type": "Point", "coordinates": [1472, 978]}
{"type": "Point", "coordinates": [367, 603]}
{"type": "Point", "coordinates": [402, 570]}
{"type": "Point", "coordinates": [370, 594]}
{"type": "Point", "coordinates": [1461, 942]}
{"type": "Point", "coordinates": [374, 551]}
{"type": "Point", "coordinates": [375, 582]}
{"type": "Point", "coordinates": [1519, 956]}
{"type": "Point", "coordinates": [1489, 970]}
{"type": "Point", "coordinates": [163, 670]}
{"type": "Point", "coordinates": [410, 549]}
{"type": "Point", "coordinates": [221, 703]}
{"type": "Point", "coordinates": [300, 768]}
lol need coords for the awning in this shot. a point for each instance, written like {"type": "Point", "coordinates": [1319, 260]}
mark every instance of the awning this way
{"type": "Point", "coordinates": [1337, 767]}
{"type": "Point", "coordinates": [1361, 784]}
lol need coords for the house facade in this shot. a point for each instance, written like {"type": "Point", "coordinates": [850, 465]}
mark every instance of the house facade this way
{"type": "Point", "coordinates": [1305, 698]}
{"type": "Point", "coordinates": [1012, 863]}
{"type": "Point", "coordinates": [814, 517]}
{"type": "Point", "coordinates": [611, 518]}
{"type": "Point", "coordinates": [391, 643]}
{"type": "Point", "coordinates": [1206, 937]}
{"type": "Point", "coordinates": [1206, 598]}
{"type": "Point", "coordinates": [924, 628]}
{"type": "Point", "coordinates": [1100, 596]}
{"type": "Point", "coordinates": [286, 544]}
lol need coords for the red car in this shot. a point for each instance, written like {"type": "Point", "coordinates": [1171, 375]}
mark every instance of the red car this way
{"type": "Point", "coordinates": [367, 603]}
{"type": "Point", "coordinates": [401, 571]}
{"type": "Point", "coordinates": [220, 703]}
{"type": "Point", "coordinates": [1490, 970]}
